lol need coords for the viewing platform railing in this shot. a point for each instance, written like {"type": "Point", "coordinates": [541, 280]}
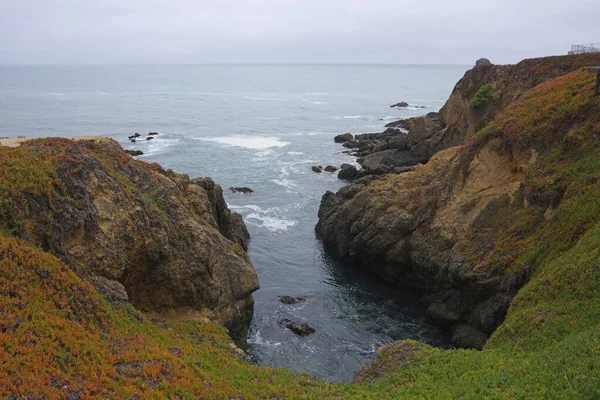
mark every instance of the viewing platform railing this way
{"type": "Point", "coordinates": [585, 48]}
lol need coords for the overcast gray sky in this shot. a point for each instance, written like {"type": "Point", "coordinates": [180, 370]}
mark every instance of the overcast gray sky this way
{"type": "Point", "coordinates": [291, 31]}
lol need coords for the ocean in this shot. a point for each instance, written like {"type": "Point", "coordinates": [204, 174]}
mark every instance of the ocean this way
{"type": "Point", "coordinates": [261, 126]}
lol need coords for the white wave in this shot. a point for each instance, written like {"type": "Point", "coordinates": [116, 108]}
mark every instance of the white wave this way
{"type": "Point", "coordinates": [295, 153]}
{"type": "Point", "coordinates": [319, 133]}
{"type": "Point", "coordinates": [286, 183]}
{"type": "Point", "coordinates": [319, 102]}
{"type": "Point", "coordinates": [352, 116]}
{"type": "Point", "coordinates": [248, 142]}
{"type": "Point", "coordinates": [271, 223]}
{"type": "Point", "coordinates": [251, 207]}
{"type": "Point", "coordinates": [158, 145]}
{"type": "Point", "coordinates": [284, 172]}
{"type": "Point", "coordinates": [256, 338]}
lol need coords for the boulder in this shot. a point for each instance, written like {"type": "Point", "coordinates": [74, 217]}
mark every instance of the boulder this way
{"type": "Point", "coordinates": [113, 291]}
{"type": "Point", "coordinates": [343, 138]}
{"type": "Point", "coordinates": [317, 168]}
{"type": "Point", "coordinates": [150, 138]}
{"type": "Point", "coordinates": [347, 172]}
{"type": "Point", "coordinates": [467, 337]}
{"type": "Point", "coordinates": [300, 329]}
{"type": "Point", "coordinates": [402, 104]}
{"type": "Point", "coordinates": [152, 133]}
{"type": "Point", "coordinates": [440, 313]}
{"type": "Point", "coordinates": [482, 62]}
{"type": "Point", "coordinates": [330, 168]}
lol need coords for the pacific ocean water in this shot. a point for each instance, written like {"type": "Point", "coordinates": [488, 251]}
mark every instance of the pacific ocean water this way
{"type": "Point", "coordinates": [261, 126]}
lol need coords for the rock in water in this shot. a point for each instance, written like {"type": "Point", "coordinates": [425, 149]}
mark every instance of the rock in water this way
{"type": "Point", "coordinates": [243, 189]}
{"type": "Point", "coordinates": [343, 138]}
{"type": "Point", "coordinates": [152, 133]}
{"type": "Point", "coordinates": [347, 172]}
{"type": "Point", "coordinates": [402, 104]}
{"type": "Point", "coordinates": [317, 168]}
{"type": "Point", "coordinates": [330, 168]}
{"type": "Point", "coordinates": [291, 300]}
{"type": "Point", "coordinates": [301, 329]}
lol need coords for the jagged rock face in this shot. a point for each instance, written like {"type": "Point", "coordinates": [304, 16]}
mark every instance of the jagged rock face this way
{"type": "Point", "coordinates": [170, 242]}
{"type": "Point", "coordinates": [457, 122]}
{"type": "Point", "coordinates": [412, 229]}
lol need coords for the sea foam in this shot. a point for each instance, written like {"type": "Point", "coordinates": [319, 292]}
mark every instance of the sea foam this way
{"type": "Point", "coordinates": [248, 142]}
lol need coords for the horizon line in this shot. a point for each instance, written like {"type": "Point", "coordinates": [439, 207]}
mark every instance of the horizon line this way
{"type": "Point", "coordinates": [224, 63]}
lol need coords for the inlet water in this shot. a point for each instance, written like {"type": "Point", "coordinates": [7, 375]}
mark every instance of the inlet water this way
{"type": "Point", "coordinates": [261, 126]}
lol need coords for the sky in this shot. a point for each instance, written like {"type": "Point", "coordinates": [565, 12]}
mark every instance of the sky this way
{"type": "Point", "coordinates": [291, 31]}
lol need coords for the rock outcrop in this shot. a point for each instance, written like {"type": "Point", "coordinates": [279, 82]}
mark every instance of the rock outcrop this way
{"type": "Point", "coordinates": [343, 138]}
{"type": "Point", "coordinates": [457, 122]}
{"type": "Point", "coordinates": [439, 228]}
{"type": "Point", "coordinates": [129, 226]}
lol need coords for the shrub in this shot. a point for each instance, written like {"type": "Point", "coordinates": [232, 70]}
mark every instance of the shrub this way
{"type": "Point", "coordinates": [482, 95]}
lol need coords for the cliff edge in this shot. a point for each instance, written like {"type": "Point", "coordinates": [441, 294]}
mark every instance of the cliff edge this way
{"type": "Point", "coordinates": [473, 225]}
{"type": "Point", "coordinates": [137, 232]}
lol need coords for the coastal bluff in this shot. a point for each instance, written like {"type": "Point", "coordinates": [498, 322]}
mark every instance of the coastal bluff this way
{"type": "Point", "coordinates": [473, 225]}
{"type": "Point", "coordinates": [483, 93]}
{"type": "Point", "coordinates": [138, 233]}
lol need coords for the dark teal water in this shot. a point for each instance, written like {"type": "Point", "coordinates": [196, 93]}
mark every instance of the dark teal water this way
{"type": "Point", "coordinates": [261, 126]}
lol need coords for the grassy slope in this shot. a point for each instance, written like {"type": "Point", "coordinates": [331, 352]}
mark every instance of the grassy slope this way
{"type": "Point", "coordinates": [55, 331]}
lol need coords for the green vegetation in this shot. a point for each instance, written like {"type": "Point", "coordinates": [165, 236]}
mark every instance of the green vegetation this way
{"type": "Point", "coordinates": [482, 95]}
{"type": "Point", "coordinates": [57, 332]}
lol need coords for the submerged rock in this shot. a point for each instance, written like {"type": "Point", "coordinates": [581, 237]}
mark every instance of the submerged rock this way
{"type": "Point", "coordinates": [330, 168]}
{"type": "Point", "coordinates": [317, 168]}
{"type": "Point", "coordinates": [291, 300]}
{"type": "Point", "coordinates": [150, 138]}
{"type": "Point", "coordinates": [242, 189]}
{"type": "Point", "coordinates": [301, 329]}
{"type": "Point", "coordinates": [152, 133]}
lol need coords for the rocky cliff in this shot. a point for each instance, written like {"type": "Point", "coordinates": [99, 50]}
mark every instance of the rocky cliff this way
{"type": "Point", "coordinates": [416, 140]}
{"type": "Point", "coordinates": [138, 233]}
{"type": "Point", "coordinates": [468, 227]}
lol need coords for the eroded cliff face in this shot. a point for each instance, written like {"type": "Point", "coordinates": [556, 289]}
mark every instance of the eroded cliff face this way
{"type": "Point", "coordinates": [412, 229]}
{"type": "Point", "coordinates": [457, 121]}
{"type": "Point", "coordinates": [467, 227]}
{"type": "Point", "coordinates": [166, 243]}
